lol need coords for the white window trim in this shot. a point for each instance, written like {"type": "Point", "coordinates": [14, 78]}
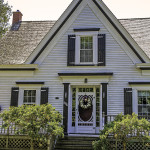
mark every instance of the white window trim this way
{"type": "Point", "coordinates": [135, 90]}
{"type": "Point", "coordinates": [95, 47]}
{"type": "Point", "coordinates": [21, 93]}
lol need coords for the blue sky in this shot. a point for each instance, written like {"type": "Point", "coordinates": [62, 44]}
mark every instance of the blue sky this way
{"type": "Point", "coordinates": [52, 9]}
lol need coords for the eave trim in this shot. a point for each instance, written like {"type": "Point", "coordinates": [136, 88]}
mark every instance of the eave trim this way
{"type": "Point", "coordinates": [139, 83]}
{"type": "Point", "coordinates": [86, 74]}
{"type": "Point", "coordinates": [50, 39]}
{"type": "Point", "coordinates": [17, 69]}
{"type": "Point", "coordinates": [121, 34]}
{"type": "Point", "coordinates": [29, 82]}
{"type": "Point", "coordinates": [145, 68]}
{"type": "Point", "coordinates": [86, 29]}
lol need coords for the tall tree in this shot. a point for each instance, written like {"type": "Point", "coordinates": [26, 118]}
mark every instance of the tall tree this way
{"type": "Point", "coordinates": [5, 13]}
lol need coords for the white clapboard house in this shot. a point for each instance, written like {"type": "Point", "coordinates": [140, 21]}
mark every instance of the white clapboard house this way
{"type": "Point", "coordinates": [86, 64]}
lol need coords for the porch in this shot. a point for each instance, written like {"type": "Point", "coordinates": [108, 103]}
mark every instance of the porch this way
{"type": "Point", "coordinates": [105, 120]}
{"type": "Point", "coordinates": [8, 139]}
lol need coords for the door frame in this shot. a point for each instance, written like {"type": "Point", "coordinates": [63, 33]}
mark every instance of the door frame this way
{"type": "Point", "coordinates": [73, 130]}
{"type": "Point", "coordinates": [77, 127]}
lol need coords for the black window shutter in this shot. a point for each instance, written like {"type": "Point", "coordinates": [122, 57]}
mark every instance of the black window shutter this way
{"type": "Point", "coordinates": [65, 107]}
{"type": "Point", "coordinates": [104, 100]}
{"type": "Point", "coordinates": [44, 95]}
{"type": "Point", "coordinates": [101, 49]}
{"type": "Point", "coordinates": [14, 96]}
{"type": "Point", "coordinates": [127, 101]}
{"type": "Point", "coordinates": [71, 50]}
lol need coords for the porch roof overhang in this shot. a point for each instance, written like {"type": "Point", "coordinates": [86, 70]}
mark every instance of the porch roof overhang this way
{"type": "Point", "coordinates": [86, 74]}
{"type": "Point", "coordinates": [86, 29]}
{"type": "Point", "coordinates": [85, 78]}
{"type": "Point", "coordinates": [18, 69]}
{"type": "Point", "coordinates": [30, 82]}
{"type": "Point", "coordinates": [139, 83]}
{"type": "Point", "coordinates": [144, 67]}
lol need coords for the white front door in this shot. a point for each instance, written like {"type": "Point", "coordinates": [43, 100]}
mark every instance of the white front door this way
{"type": "Point", "coordinates": [85, 110]}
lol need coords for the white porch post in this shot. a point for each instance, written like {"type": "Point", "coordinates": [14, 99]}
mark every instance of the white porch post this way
{"type": "Point", "coordinates": [101, 116]}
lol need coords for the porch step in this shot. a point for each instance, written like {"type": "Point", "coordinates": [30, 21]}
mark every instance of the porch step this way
{"type": "Point", "coordinates": [75, 143]}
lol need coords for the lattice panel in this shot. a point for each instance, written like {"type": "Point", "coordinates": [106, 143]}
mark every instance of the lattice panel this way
{"type": "Point", "coordinates": [130, 146]}
{"type": "Point", "coordinates": [40, 145]}
{"type": "Point", "coordinates": [2, 142]}
{"type": "Point", "coordinates": [19, 143]}
{"type": "Point", "coordinates": [138, 146]}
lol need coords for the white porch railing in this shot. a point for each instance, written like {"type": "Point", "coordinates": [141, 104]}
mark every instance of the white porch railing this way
{"type": "Point", "coordinates": [108, 118]}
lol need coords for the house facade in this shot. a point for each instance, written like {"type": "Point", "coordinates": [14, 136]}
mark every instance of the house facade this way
{"type": "Point", "coordinates": [88, 64]}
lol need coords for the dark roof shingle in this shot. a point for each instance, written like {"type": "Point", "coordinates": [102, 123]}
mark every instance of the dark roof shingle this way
{"type": "Point", "coordinates": [139, 29]}
{"type": "Point", "coordinates": [16, 46]}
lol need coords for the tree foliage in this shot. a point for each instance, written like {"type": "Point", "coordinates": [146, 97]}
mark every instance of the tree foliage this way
{"type": "Point", "coordinates": [38, 122]}
{"type": "Point", "coordinates": [123, 129]}
{"type": "Point", "coordinates": [5, 13]}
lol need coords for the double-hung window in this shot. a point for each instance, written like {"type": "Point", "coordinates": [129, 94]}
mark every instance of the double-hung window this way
{"type": "Point", "coordinates": [86, 49]}
{"type": "Point", "coordinates": [29, 97]}
{"type": "Point", "coordinates": [144, 103]}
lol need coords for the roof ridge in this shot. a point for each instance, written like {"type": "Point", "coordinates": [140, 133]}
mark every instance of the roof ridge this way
{"type": "Point", "coordinates": [56, 20]}
{"type": "Point", "coordinates": [134, 18]}
{"type": "Point", "coordinates": [40, 21]}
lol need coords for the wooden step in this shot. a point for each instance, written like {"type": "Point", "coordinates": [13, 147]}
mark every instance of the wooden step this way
{"type": "Point", "coordinates": [75, 143]}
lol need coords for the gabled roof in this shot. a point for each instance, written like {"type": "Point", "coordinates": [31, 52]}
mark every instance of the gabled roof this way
{"type": "Point", "coordinates": [139, 29]}
{"type": "Point", "coordinates": [102, 12]}
{"type": "Point", "coordinates": [18, 45]}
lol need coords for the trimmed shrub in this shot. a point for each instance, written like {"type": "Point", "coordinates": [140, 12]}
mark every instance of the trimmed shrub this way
{"type": "Point", "coordinates": [38, 122]}
{"type": "Point", "coordinates": [123, 129]}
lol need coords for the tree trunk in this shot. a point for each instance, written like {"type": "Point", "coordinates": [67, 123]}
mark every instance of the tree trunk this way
{"type": "Point", "coordinates": [116, 144]}
{"type": "Point", "coordinates": [32, 145]}
{"type": "Point", "coordinates": [124, 145]}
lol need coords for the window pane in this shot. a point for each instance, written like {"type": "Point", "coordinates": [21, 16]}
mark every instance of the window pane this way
{"type": "Point", "coordinates": [25, 93]}
{"type": "Point", "coordinates": [90, 45]}
{"type": "Point", "coordinates": [140, 101]}
{"type": "Point", "coordinates": [29, 96]}
{"type": "Point", "coordinates": [86, 49]}
{"type": "Point", "coordinates": [25, 99]}
{"type": "Point", "coordinates": [143, 103]}
{"type": "Point", "coordinates": [86, 46]}
{"type": "Point", "coordinates": [86, 39]}
{"type": "Point", "coordinates": [148, 100]}
{"type": "Point", "coordinates": [29, 99]}
{"type": "Point", "coordinates": [91, 89]}
{"type": "Point", "coordinates": [29, 93]}
{"type": "Point", "coordinates": [148, 109]}
{"type": "Point", "coordinates": [86, 56]}
{"type": "Point", "coordinates": [33, 99]}
{"type": "Point", "coordinates": [33, 93]}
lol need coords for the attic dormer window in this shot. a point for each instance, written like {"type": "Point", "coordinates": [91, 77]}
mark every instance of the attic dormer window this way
{"type": "Point", "coordinates": [86, 49]}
